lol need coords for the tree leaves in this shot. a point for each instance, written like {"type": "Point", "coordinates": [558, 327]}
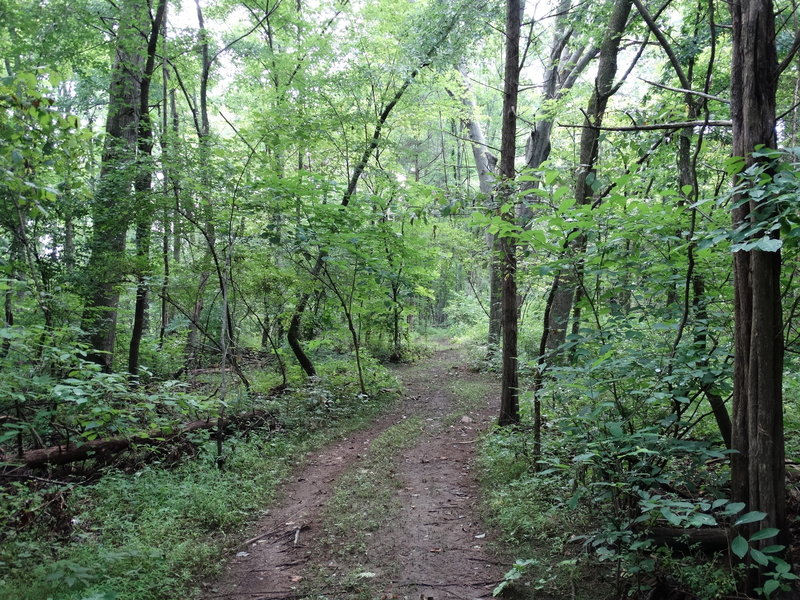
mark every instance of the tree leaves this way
{"type": "Point", "coordinates": [739, 546]}
{"type": "Point", "coordinates": [750, 517]}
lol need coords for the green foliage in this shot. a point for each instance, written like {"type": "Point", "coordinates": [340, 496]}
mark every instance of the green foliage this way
{"type": "Point", "coordinates": [516, 572]}
{"type": "Point", "coordinates": [155, 532]}
{"type": "Point", "coordinates": [521, 503]}
{"type": "Point", "coordinates": [55, 394]}
{"type": "Point", "coordinates": [38, 144]}
{"type": "Point", "coordinates": [778, 575]}
{"type": "Point", "coordinates": [695, 572]}
{"type": "Point", "coordinates": [254, 203]}
{"type": "Point", "coordinates": [771, 186]}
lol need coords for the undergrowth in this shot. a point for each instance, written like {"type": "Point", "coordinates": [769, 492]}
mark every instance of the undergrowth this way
{"type": "Point", "coordinates": [535, 525]}
{"type": "Point", "coordinates": [154, 532]}
{"type": "Point", "coordinates": [580, 525]}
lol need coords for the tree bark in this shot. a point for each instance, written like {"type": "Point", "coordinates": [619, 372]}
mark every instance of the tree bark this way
{"type": "Point", "coordinates": [509, 398]}
{"type": "Point", "coordinates": [142, 187]}
{"type": "Point", "coordinates": [8, 296]}
{"type": "Point", "coordinates": [757, 467]}
{"type": "Point", "coordinates": [113, 203]}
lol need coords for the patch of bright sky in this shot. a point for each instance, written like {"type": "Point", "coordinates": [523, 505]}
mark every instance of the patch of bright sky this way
{"type": "Point", "coordinates": [237, 21]}
{"type": "Point", "coordinates": [184, 19]}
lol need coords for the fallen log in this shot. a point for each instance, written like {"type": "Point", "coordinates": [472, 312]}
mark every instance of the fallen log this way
{"type": "Point", "coordinates": [707, 540]}
{"type": "Point", "coordinates": [102, 449]}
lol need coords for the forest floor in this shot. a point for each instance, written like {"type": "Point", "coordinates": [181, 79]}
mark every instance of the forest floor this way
{"type": "Point", "coordinates": [390, 512]}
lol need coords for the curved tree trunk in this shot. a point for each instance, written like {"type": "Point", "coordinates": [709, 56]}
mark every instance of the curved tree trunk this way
{"type": "Point", "coordinates": [142, 186]}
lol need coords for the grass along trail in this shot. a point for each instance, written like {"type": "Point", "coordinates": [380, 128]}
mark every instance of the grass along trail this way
{"type": "Point", "coordinates": [390, 512]}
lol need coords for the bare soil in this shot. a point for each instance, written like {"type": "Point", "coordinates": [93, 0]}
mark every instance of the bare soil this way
{"type": "Point", "coordinates": [433, 547]}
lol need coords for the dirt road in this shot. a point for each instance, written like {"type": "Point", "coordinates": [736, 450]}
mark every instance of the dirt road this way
{"type": "Point", "coordinates": [389, 512]}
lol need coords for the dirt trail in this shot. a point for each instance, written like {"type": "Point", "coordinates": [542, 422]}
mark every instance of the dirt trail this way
{"type": "Point", "coordinates": [432, 547]}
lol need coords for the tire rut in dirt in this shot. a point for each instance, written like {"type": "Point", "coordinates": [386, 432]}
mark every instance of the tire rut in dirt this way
{"type": "Point", "coordinates": [441, 546]}
{"type": "Point", "coordinates": [270, 564]}
{"type": "Point", "coordinates": [434, 546]}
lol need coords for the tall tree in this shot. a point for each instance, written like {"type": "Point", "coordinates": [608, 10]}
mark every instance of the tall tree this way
{"type": "Point", "coordinates": [113, 203]}
{"type": "Point", "coordinates": [485, 164]}
{"type": "Point", "coordinates": [142, 186]}
{"type": "Point", "coordinates": [204, 222]}
{"type": "Point", "coordinates": [565, 64]}
{"type": "Point", "coordinates": [509, 399]}
{"type": "Point", "coordinates": [604, 88]}
{"type": "Point", "coordinates": [758, 471]}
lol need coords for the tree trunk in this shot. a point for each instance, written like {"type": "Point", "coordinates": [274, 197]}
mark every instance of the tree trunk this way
{"type": "Point", "coordinates": [485, 164]}
{"type": "Point", "coordinates": [8, 296]}
{"type": "Point", "coordinates": [142, 187]}
{"type": "Point", "coordinates": [166, 171]}
{"type": "Point", "coordinates": [177, 224]}
{"type": "Point", "coordinates": [495, 295]}
{"type": "Point", "coordinates": [113, 203]}
{"type": "Point", "coordinates": [141, 303]}
{"type": "Point", "coordinates": [758, 470]}
{"type": "Point", "coordinates": [192, 341]}
{"type": "Point", "coordinates": [509, 399]}
{"type": "Point", "coordinates": [604, 88]}
{"type": "Point", "coordinates": [293, 336]}
{"type": "Point", "coordinates": [563, 69]}
{"type": "Point", "coordinates": [560, 305]}
{"type": "Point", "coordinates": [69, 243]}
{"type": "Point", "coordinates": [397, 350]}
{"type": "Point", "coordinates": [164, 313]}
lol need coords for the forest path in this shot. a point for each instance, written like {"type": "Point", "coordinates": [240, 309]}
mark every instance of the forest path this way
{"type": "Point", "coordinates": [390, 512]}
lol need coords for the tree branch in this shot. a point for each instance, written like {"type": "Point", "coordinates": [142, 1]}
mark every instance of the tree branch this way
{"type": "Point", "coordinates": [683, 91]}
{"type": "Point", "coordinates": [792, 51]}
{"type": "Point", "coordinates": [654, 127]}
{"type": "Point", "coordinates": [662, 39]}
